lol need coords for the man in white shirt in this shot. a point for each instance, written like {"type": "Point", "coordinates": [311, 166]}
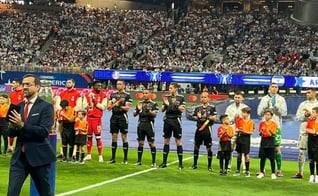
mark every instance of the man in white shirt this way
{"type": "Point", "coordinates": [303, 114]}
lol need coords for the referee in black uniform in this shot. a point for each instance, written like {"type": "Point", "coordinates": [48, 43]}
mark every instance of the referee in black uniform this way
{"type": "Point", "coordinates": [205, 115]}
{"type": "Point", "coordinates": [173, 105]}
{"type": "Point", "coordinates": [119, 103]}
{"type": "Point", "coordinates": [147, 111]}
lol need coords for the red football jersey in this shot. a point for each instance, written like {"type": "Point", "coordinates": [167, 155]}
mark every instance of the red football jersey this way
{"type": "Point", "coordinates": [93, 98]}
{"type": "Point", "coordinates": [71, 96]}
{"type": "Point", "coordinates": [16, 96]}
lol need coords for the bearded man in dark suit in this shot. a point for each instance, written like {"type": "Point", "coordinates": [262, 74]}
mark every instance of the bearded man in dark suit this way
{"type": "Point", "coordinates": [33, 153]}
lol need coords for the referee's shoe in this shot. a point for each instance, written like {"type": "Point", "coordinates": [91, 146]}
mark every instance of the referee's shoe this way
{"type": "Point", "coordinates": [163, 165]}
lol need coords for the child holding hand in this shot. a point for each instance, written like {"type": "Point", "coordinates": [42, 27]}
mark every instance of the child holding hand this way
{"type": "Point", "coordinates": [225, 133]}
{"type": "Point", "coordinates": [267, 130]}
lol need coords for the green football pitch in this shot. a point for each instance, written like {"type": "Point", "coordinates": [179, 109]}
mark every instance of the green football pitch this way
{"type": "Point", "coordinates": [103, 179]}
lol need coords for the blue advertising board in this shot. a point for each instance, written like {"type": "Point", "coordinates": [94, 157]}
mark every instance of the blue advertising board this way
{"type": "Point", "coordinates": [207, 78]}
{"type": "Point", "coordinates": [58, 80]}
{"type": "Point", "coordinates": [82, 80]}
{"type": "Point", "coordinates": [307, 82]}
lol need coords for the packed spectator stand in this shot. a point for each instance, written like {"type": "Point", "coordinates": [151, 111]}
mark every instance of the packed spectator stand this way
{"type": "Point", "coordinates": [80, 39]}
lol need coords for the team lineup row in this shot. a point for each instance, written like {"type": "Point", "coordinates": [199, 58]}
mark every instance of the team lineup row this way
{"type": "Point", "coordinates": [234, 132]}
{"type": "Point", "coordinates": [271, 101]}
{"type": "Point", "coordinates": [173, 106]}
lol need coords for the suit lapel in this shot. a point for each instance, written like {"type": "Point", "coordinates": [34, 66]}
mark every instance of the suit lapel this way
{"type": "Point", "coordinates": [34, 107]}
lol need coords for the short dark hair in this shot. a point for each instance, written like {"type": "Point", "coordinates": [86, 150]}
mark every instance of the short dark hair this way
{"type": "Point", "coordinates": [37, 80]}
{"type": "Point", "coordinates": [174, 84]}
{"type": "Point", "coordinates": [315, 109]}
{"type": "Point", "coordinates": [4, 96]}
{"type": "Point", "coordinates": [83, 112]}
{"type": "Point", "coordinates": [71, 79]}
{"type": "Point", "coordinates": [123, 81]}
{"type": "Point", "coordinates": [222, 117]}
{"type": "Point", "coordinates": [64, 103]}
{"type": "Point", "coordinates": [269, 111]}
{"type": "Point", "coordinates": [246, 109]}
{"type": "Point", "coordinates": [17, 80]}
{"type": "Point", "coordinates": [96, 82]}
{"type": "Point", "coordinates": [238, 93]}
{"type": "Point", "coordinates": [311, 89]}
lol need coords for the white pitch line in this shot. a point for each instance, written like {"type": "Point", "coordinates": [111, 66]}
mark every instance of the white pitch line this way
{"type": "Point", "coordinates": [114, 180]}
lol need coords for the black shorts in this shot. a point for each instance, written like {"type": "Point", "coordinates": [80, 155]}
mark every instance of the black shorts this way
{"type": "Point", "coordinates": [68, 136]}
{"type": "Point", "coordinates": [224, 155]}
{"type": "Point", "coordinates": [4, 131]}
{"type": "Point", "coordinates": [204, 137]}
{"type": "Point", "coordinates": [225, 146]}
{"type": "Point", "coordinates": [146, 129]}
{"type": "Point", "coordinates": [119, 123]}
{"type": "Point", "coordinates": [267, 153]}
{"type": "Point", "coordinates": [243, 144]}
{"type": "Point", "coordinates": [172, 125]}
{"type": "Point", "coordinates": [313, 154]}
{"type": "Point", "coordinates": [312, 147]}
{"type": "Point", "coordinates": [80, 140]}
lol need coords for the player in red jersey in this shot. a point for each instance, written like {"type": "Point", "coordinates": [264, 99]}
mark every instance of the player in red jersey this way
{"type": "Point", "coordinates": [16, 96]}
{"type": "Point", "coordinates": [71, 94]}
{"type": "Point", "coordinates": [97, 103]}
{"type": "Point", "coordinates": [74, 98]}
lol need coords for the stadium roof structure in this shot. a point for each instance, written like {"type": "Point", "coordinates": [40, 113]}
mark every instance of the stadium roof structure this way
{"type": "Point", "coordinates": [305, 12]}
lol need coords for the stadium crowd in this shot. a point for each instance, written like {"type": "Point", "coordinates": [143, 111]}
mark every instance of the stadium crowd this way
{"type": "Point", "coordinates": [82, 39]}
{"type": "Point", "coordinates": [93, 38]}
{"type": "Point", "coordinates": [22, 36]}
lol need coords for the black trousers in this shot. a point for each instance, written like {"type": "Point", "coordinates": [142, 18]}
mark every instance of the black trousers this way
{"type": "Point", "coordinates": [20, 171]}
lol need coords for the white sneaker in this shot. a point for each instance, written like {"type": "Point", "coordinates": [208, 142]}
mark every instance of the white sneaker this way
{"type": "Point", "coordinates": [316, 179]}
{"type": "Point", "coordinates": [260, 175]}
{"type": "Point", "coordinates": [88, 157]}
{"type": "Point", "coordinates": [312, 179]}
{"type": "Point", "coordinates": [100, 159]}
{"type": "Point", "coordinates": [273, 176]}
{"type": "Point", "coordinates": [237, 173]}
{"type": "Point", "coordinates": [124, 162]}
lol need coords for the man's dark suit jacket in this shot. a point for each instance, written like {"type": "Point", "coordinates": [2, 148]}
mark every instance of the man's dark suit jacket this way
{"type": "Point", "coordinates": [34, 134]}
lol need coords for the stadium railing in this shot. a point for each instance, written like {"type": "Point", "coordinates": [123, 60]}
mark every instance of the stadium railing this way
{"type": "Point", "coordinates": [31, 67]}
